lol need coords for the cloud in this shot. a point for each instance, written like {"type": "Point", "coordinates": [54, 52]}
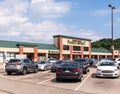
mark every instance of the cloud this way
{"type": "Point", "coordinates": [12, 13]}
{"type": "Point", "coordinates": [35, 21]}
{"type": "Point", "coordinates": [47, 9]}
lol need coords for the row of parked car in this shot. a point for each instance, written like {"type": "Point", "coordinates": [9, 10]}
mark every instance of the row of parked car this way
{"type": "Point", "coordinates": [64, 69]}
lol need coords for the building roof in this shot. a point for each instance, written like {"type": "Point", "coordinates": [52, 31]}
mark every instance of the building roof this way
{"type": "Point", "coordinates": [63, 36]}
{"type": "Point", "coordinates": [100, 50]}
{"type": "Point", "coordinates": [15, 44]}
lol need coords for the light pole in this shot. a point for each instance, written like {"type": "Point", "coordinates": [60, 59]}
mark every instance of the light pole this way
{"type": "Point", "coordinates": [112, 46]}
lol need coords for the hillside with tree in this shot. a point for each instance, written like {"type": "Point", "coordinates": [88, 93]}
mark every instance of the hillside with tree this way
{"type": "Point", "coordinates": [106, 44]}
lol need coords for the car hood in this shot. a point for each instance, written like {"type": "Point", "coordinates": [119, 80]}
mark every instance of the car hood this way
{"type": "Point", "coordinates": [107, 67]}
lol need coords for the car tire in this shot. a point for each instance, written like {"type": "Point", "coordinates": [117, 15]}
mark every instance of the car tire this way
{"type": "Point", "coordinates": [36, 70]}
{"type": "Point", "coordinates": [79, 79]}
{"type": "Point", "coordinates": [24, 71]}
{"type": "Point", "coordinates": [57, 79]}
{"type": "Point", "coordinates": [9, 73]}
{"type": "Point", "coordinates": [45, 68]}
{"type": "Point", "coordinates": [86, 71]}
{"type": "Point", "coordinates": [97, 76]}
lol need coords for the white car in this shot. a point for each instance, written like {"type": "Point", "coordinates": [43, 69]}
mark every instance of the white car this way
{"type": "Point", "coordinates": [107, 68]}
{"type": "Point", "coordinates": [117, 61]}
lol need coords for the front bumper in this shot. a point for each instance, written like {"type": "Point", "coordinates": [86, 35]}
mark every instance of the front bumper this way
{"type": "Point", "coordinates": [113, 74]}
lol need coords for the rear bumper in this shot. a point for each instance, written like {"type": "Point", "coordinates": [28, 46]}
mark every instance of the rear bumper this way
{"type": "Point", "coordinates": [13, 69]}
{"type": "Point", "coordinates": [68, 76]}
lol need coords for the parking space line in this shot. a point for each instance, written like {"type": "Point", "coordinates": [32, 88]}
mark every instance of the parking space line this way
{"type": "Point", "coordinates": [83, 81]}
{"type": "Point", "coordinates": [45, 81]}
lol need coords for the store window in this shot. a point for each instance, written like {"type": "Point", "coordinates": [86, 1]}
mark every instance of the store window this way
{"type": "Point", "coordinates": [65, 47]}
{"type": "Point", "coordinates": [76, 48]}
{"type": "Point", "coordinates": [86, 49]}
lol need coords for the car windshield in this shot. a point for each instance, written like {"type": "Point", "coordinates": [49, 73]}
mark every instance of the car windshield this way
{"type": "Point", "coordinates": [42, 62]}
{"type": "Point", "coordinates": [107, 64]}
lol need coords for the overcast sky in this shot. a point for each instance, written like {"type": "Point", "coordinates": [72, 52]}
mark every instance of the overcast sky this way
{"type": "Point", "coordinates": [38, 20]}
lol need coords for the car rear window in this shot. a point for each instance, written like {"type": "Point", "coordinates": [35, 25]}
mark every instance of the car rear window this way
{"type": "Point", "coordinates": [69, 65]}
{"type": "Point", "coordinates": [14, 61]}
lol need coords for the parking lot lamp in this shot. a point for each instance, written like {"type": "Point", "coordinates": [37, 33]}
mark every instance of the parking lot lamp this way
{"type": "Point", "coordinates": [112, 44]}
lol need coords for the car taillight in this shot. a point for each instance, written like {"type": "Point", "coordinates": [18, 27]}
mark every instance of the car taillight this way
{"type": "Point", "coordinates": [58, 70]}
{"type": "Point", "coordinates": [96, 62]}
{"type": "Point", "coordinates": [76, 70]}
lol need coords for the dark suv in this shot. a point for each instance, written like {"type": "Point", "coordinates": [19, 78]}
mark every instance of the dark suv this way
{"type": "Point", "coordinates": [21, 66]}
{"type": "Point", "coordinates": [84, 63]}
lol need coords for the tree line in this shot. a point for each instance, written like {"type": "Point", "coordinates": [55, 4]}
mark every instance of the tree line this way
{"type": "Point", "coordinates": [106, 44]}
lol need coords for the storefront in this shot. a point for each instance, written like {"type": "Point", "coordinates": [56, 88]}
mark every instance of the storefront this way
{"type": "Point", "coordinates": [72, 47]}
{"type": "Point", "coordinates": [64, 47]}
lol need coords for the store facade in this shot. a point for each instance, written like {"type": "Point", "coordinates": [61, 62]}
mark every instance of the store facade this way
{"type": "Point", "coordinates": [72, 47]}
{"type": "Point", "coordinates": [64, 47]}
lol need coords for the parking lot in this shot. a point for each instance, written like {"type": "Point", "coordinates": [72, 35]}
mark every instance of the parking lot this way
{"type": "Point", "coordinates": [89, 82]}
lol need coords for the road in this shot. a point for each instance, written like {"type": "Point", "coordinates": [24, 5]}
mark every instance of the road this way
{"type": "Point", "coordinates": [44, 83]}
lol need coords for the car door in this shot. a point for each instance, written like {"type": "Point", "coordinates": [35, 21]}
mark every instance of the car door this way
{"type": "Point", "coordinates": [28, 64]}
{"type": "Point", "coordinates": [48, 65]}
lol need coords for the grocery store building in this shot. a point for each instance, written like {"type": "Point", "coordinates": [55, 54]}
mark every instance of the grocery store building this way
{"type": "Point", "coordinates": [64, 47]}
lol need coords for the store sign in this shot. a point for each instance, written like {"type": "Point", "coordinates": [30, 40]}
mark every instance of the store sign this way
{"type": "Point", "coordinates": [78, 42]}
{"type": "Point", "coordinates": [53, 52]}
{"type": "Point", "coordinates": [76, 52]}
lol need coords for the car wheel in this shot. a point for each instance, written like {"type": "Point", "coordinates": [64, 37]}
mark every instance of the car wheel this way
{"type": "Point", "coordinates": [85, 71]}
{"type": "Point", "coordinates": [57, 79]}
{"type": "Point", "coordinates": [45, 68]}
{"type": "Point", "coordinates": [79, 79]}
{"type": "Point", "coordinates": [97, 76]}
{"type": "Point", "coordinates": [9, 73]}
{"type": "Point", "coordinates": [36, 70]}
{"type": "Point", "coordinates": [24, 71]}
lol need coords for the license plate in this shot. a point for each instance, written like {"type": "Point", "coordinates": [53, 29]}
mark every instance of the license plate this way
{"type": "Point", "coordinates": [11, 65]}
{"type": "Point", "coordinates": [67, 71]}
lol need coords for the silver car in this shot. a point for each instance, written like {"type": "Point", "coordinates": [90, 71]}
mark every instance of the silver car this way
{"type": "Point", "coordinates": [44, 65]}
{"type": "Point", "coordinates": [22, 66]}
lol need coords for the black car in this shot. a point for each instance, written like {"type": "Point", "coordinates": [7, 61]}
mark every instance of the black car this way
{"type": "Point", "coordinates": [56, 65]}
{"type": "Point", "coordinates": [84, 63]}
{"type": "Point", "coordinates": [69, 70]}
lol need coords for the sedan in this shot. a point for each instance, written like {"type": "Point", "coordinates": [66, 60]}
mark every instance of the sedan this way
{"type": "Point", "coordinates": [69, 70]}
{"type": "Point", "coordinates": [84, 63]}
{"type": "Point", "coordinates": [44, 65]}
{"type": "Point", "coordinates": [107, 68]}
{"type": "Point", "coordinates": [56, 65]}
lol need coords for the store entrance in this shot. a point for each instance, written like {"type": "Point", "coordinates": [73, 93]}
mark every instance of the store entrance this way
{"type": "Point", "coordinates": [30, 56]}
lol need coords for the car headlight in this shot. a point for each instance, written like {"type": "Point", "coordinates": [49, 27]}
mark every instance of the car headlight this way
{"type": "Point", "coordinates": [116, 70]}
{"type": "Point", "coordinates": [99, 70]}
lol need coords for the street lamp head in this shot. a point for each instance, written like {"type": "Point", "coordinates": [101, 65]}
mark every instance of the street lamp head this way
{"type": "Point", "coordinates": [113, 7]}
{"type": "Point", "coordinates": [109, 5]}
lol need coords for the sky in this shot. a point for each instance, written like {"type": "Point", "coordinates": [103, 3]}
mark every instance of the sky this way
{"type": "Point", "coordinates": [38, 21]}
